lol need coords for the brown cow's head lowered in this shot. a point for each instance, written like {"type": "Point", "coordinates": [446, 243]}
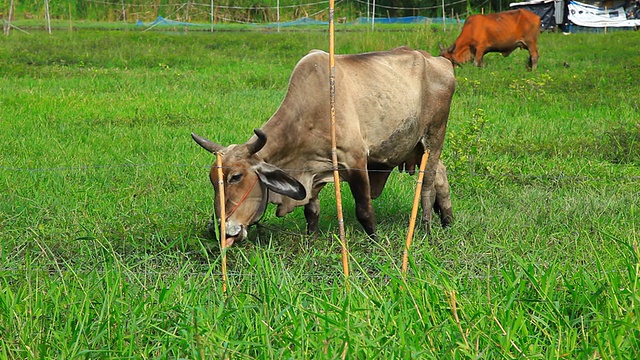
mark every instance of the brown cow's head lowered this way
{"type": "Point", "coordinates": [247, 179]}
{"type": "Point", "coordinates": [457, 58]}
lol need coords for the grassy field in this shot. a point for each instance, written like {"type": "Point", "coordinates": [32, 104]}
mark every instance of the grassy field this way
{"type": "Point", "coordinates": [104, 199]}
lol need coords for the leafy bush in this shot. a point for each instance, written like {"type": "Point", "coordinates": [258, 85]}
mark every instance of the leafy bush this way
{"type": "Point", "coordinates": [464, 146]}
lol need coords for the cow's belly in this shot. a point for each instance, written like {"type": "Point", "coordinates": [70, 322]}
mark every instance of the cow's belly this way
{"type": "Point", "coordinates": [391, 145]}
{"type": "Point", "coordinates": [393, 129]}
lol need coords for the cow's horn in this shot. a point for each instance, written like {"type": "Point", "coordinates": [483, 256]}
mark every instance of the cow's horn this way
{"type": "Point", "coordinates": [257, 144]}
{"type": "Point", "coordinates": [208, 145]}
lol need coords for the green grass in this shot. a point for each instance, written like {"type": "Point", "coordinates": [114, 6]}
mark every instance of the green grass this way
{"type": "Point", "coordinates": [104, 200]}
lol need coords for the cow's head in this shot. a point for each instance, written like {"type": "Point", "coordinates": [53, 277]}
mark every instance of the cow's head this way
{"type": "Point", "coordinates": [457, 56]}
{"type": "Point", "coordinates": [448, 53]}
{"type": "Point", "coordinates": [247, 179]}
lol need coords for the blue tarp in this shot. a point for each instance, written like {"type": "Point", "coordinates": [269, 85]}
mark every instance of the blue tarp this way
{"type": "Point", "coordinates": [160, 21]}
{"type": "Point", "coordinates": [406, 20]}
{"type": "Point", "coordinates": [301, 21]}
{"type": "Point", "coordinates": [365, 20]}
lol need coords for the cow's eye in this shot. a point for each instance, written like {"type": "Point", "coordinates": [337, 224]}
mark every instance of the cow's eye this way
{"type": "Point", "coordinates": [235, 178]}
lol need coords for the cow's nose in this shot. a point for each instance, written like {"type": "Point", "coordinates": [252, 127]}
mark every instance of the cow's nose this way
{"type": "Point", "coordinates": [233, 230]}
{"type": "Point", "coordinates": [234, 233]}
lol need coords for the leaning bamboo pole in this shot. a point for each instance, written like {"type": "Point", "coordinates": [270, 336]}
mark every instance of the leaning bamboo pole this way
{"type": "Point", "coordinates": [414, 210]}
{"type": "Point", "coordinates": [334, 146]}
{"type": "Point", "coordinates": [223, 224]}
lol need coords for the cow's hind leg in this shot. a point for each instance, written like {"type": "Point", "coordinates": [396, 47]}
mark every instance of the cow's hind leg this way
{"type": "Point", "coordinates": [428, 193]}
{"type": "Point", "coordinates": [446, 214]}
{"type": "Point", "coordinates": [427, 203]}
{"type": "Point", "coordinates": [532, 46]}
{"type": "Point", "coordinates": [442, 205]}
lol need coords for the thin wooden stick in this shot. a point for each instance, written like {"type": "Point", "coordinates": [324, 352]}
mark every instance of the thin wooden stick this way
{"type": "Point", "coordinates": [454, 311]}
{"type": "Point", "coordinates": [47, 15]}
{"type": "Point", "coordinates": [223, 221]}
{"type": "Point", "coordinates": [71, 21]}
{"type": "Point", "coordinates": [334, 151]}
{"type": "Point", "coordinates": [414, 210]}
{"type": "Point", "coordinates": [8, 25]}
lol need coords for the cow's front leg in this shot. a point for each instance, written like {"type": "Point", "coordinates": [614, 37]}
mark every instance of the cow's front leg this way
{"type": "Point", "coordinates": [361, 190]}
{"type": "Point", "coordinates": [312, 214]}
{"type": "Point", "coordinates": [479, 54]}
{"type": "Point", "coordinates": [533, 55]}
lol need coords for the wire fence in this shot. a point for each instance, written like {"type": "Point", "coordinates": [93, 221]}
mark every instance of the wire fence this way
{"type": "Point", "coordinates": [146, 270]}
{"type": "Point", "coordinates": [225, 11]}
{"type": "Point", "coordinates": [57, 266]}
{"type": "Point", "coordinates": [546, 176]}
{"type": "Point", "coordinates": [352, 9]}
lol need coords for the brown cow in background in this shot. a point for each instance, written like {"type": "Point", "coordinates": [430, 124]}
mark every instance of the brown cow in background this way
{"type": "Point", "coordinates": [501, 32]}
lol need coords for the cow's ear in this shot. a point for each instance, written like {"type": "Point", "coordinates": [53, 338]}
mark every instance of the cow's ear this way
{"type": "Point", "coordinates": [279, 181]}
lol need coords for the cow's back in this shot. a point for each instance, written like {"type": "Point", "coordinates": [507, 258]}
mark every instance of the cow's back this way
{"type": "Point", "coordinates": [384, 100]}
{"type": "Point", "coordinates": [529, 23]}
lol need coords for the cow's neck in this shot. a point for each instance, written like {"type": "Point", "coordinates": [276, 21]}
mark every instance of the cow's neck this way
{"type": "Point", "coordinates": [286, 139]}
{"type": "Point", "coordinates": [297, 150]}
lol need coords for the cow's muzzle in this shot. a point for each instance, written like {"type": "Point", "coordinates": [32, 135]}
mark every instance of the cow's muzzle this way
{"type": "Point", "coordinates": [234, 231]}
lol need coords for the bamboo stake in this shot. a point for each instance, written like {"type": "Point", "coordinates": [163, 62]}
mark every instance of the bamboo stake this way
{"type": "Point", "coordinates": [223, 224]}
{"type": "Point", "coordinates": [124, 13]}
{"type": "Point", "coordinates": [414, 210]}
{"type": "Point", "coordinates": [373, 15]}
{"type": "Point", "coordinates": [8, 25]}
{"type": "Point", "coordinates": [70, 20]}
{"type": "Point", "coordinates": [454, 311]}
{"type": "Point", "coordinates": [186, 17]}
{"type": "Point", "coordinates": [334, 146]}
{"type": "Point", "coordinates": [444, 19]}
{"type": "Point", "coordinates": [47, 15]}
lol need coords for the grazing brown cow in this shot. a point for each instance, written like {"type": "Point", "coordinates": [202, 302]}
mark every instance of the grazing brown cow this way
{"type": "Point", "coordinates": [501, 32]}
{"type": "Point", "coordinates": [390, 106]}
